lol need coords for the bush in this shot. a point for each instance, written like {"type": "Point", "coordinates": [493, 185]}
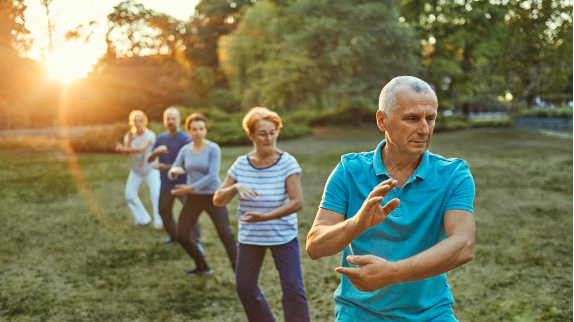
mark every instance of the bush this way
{"type": "Point", "coordinates": [354, 115]}
{"type": "Point", "coordinates": [451, 123]}
{"type": "Point", "coordinates": [34, 143]}
{"type": "Point", "coordinates": [100, 139]}
{"type": "Point", "coordinates": [559, 112]}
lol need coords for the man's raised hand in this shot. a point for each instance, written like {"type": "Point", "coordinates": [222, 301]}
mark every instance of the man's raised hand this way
{"type": "Point", "coordinates": [371, 213]}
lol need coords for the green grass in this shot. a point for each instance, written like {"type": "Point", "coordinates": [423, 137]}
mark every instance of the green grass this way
{"type": "Point", "coordinates": [69, 250]}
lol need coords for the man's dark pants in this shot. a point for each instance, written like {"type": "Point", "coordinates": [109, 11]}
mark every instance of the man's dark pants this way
{"type": "Point", "coordinates": [165, 211]}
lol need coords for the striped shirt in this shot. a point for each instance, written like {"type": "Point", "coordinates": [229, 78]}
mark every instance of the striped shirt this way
{"type": "Point", "coordinates": [269, 183]}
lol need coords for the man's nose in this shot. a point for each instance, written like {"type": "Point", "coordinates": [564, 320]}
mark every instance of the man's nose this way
{"type": "Point", "coordinates": [424, 128]}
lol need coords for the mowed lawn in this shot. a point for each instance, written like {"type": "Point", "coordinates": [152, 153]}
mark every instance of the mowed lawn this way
{"type": "Point", "coordinates": [69, 250]}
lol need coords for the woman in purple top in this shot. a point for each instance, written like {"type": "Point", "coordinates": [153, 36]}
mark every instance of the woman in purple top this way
{"type": "Point", "coordinates": [200, 160]}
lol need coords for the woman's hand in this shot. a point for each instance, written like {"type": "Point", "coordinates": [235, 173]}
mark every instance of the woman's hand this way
{"type": "Point", "coordinates": [245, 192]}
{"type": "Point", "coordinates": [175, 171]}
{"type": "Point", "coordinates": [120, 147]}
{"type": "Point", "coordinates": [254, 217]}
{"type": "Point", "coordinates": [182, 189]}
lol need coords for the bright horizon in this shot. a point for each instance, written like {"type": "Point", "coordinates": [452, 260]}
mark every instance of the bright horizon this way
{"type": "Point", "coordinates": [74, 59]}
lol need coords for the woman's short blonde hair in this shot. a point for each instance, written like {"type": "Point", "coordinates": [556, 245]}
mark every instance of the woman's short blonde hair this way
{"type": "Point", "coordinates": [257, 114]}
{"type": "Point", "coordinates": [133, 115]}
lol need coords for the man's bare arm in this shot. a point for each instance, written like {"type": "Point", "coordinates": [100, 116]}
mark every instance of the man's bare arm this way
{"type": "Point", "coordinates": [452, 252]}
{"type": "Point", "coordinates": [331, 233]}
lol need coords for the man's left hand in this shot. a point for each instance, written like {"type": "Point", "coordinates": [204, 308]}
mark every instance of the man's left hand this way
{"type": "Point", "coordinates": [375, 273]}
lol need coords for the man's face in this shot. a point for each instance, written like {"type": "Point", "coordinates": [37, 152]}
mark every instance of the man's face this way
{"type": "Point", "coordinates": [411, 124]}
{"type": "Point", "coordinates": [171, 122]}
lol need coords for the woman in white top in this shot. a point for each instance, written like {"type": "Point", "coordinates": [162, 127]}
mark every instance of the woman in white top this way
{"type": "Point", "coordinates": [137, 145]}
{"type": "Point", "coordinates": [267, 181]}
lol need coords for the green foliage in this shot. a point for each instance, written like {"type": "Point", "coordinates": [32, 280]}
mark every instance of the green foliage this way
{"type": "Point", "coordinates": [461, 42]}
{"type": "Point", "coordinates": [100, 140]}
{"type": "Point", "coordinates": [561, 112]}
{"type": "Point", "coordinates": [451, 123]}
{"type": "Point", "coordinates": [536, 57]}
{"type": "Point", "coordinates": [307, 55]}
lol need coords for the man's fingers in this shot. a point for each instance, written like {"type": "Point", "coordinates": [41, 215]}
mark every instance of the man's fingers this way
{"type": "Point", "coordinates": [360, 259]}
{"type": "Point", "coordinates": [391, 205]}
{"type": "Point", "coordinates": [374, 202]}
{"type": "Point", "coordinates": [381, 190]}
{"type": "Point", "coordinates": [386, 182]}
{"type": "Point", "coordinates": [350, 272]}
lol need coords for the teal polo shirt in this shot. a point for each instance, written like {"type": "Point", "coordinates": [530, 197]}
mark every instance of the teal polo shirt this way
{"type": "Point", "coordinates": [437, 185]}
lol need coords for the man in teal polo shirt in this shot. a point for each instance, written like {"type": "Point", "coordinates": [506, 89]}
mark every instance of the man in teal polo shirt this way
{"type": "Point", "coordinates": [401, 215]}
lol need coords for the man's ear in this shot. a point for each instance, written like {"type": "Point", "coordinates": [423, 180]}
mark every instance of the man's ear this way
{"type": "Point", "coordinates": [381, 121]}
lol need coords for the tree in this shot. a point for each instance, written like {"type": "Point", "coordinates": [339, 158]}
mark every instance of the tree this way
{"type": "Point", "coordinates": [16, 73]}
{"type": "Point", "coordinates": [212, 20]}
{"type": "Point", "coordinates": [314, 54]}
{"type": "Point", "coordinates": [462, 42]}
{"type": "Point", "coordinates": [536, 56]}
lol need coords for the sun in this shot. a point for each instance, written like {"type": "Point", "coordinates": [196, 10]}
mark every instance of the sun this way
{"type": "Point", "coordinates": [68, 62]}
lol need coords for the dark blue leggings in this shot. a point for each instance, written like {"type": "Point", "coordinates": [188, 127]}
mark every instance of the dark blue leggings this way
{"type": "Point", "coordinates": [287, 262]}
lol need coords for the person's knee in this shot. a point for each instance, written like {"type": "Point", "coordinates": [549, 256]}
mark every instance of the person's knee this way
{"type": "Point", "coordinates": [131, 197]}
{"type": "Point", "coordinates": [244, 285]}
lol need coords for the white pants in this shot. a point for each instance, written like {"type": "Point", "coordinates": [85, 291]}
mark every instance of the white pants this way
{"type": "Point", "coordinates": [141, 216]}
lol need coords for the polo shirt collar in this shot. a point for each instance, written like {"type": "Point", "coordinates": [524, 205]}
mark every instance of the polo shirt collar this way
{"type": "Point", "coordinates": [378, 162]}
{"type": "Point", "coordinates": [421, 171]}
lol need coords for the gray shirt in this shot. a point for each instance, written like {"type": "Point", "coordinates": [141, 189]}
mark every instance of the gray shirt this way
{"type": "Point", "coordinates": [139, 162]}
{"type": "Point", "coordinates": [202, 168]}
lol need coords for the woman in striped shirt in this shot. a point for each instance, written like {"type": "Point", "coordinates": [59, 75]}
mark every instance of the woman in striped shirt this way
{"type": "Point", "coordinates": [267, 181]}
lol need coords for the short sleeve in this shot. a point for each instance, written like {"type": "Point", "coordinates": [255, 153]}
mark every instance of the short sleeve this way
{"type": "Point", "coordinates": [150, 136]}
{"type": "Point", "coordinates": [156, 143]}
{"type": "Point", "coordinates": [336, 194]}
{"type": "Point", "coordinates": [462, 196]}
{"type": "Point", "coordinates": [292, 167]}
{"type": "Point", "coordinates": [232, 172]}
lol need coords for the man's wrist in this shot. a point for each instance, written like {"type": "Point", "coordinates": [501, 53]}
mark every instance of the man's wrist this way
{"type": "Point", "coordinates": [353, 227]}
{"type": "Point", "coordinates": [401, 271]}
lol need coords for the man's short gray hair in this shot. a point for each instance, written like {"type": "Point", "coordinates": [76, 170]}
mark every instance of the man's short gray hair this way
{"type": "Point", "coordinates": [171, 110]}
{"type": "Point", "coordinates": [387, 98]}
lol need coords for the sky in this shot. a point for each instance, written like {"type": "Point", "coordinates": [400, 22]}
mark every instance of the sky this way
{"type": "Point", "coordinates": [74, 58]}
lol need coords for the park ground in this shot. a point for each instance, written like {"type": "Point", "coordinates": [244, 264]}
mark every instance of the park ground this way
{"type": "Point", "coordinates": [69, 250]}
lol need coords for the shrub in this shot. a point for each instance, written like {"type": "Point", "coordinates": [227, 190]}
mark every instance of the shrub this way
{"type": "Point", "coordinates": [560, 112]}
{"type": "Point", "coordinates": [354, 115]}
{"type": "Point", "coordinates": [100, 139]}
{"type": "Point", "coordinates": [34, 143]}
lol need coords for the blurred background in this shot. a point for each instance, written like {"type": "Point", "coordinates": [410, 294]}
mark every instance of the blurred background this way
{"type": "Point", "coordinates": [72, 70]}
{"type": "Point", "coordinates": [77, 63]}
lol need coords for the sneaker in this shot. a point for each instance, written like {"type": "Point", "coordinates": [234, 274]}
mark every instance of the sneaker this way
{"type": "Point", "coordinates": [200, 272]}
{"type": "Point", "coordinates": [142, 224]}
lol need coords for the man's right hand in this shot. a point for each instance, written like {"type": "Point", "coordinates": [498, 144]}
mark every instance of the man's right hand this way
{"type": "Point", "coordinates": [162, 166]}
{"type": "Point", "coordinates": [371, 213]}
{"type": "Point", "coordinates": [160, 150]}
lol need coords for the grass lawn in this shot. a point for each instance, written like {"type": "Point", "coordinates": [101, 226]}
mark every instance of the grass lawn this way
{"type": "Point", "coordinates": [69, 250]}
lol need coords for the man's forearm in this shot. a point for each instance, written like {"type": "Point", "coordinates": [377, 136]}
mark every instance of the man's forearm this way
{"type": "Point", "coordinates": [441, 258]}
{"type": "Point", "coordinates": [152, 156]}
{"type": "Point", "coordinates": [326, 240]}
